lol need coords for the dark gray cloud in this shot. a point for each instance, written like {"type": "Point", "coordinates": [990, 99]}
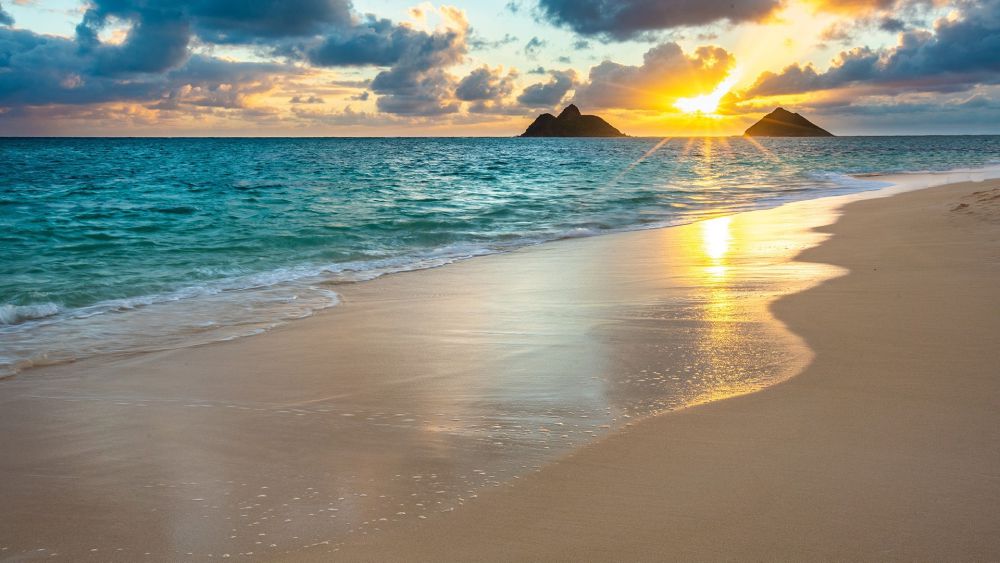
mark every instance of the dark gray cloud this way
{"type": "Point", "coordinates": [893, 25]}
{"type": "Point", "coordinates": [485, 83]}
{"type": "Point", "coordinates": [548, 94]}
{"type": "Point", "coordinates": [156, 53]}
{"type": "Point", "coordinates": [373, 41]}
{"type": "Point", "coordinates": [37, 70]}
{"type": "Point", "coordinates": [157, 40]}
{"type": "Point", "coordinates": [626, 19]}
{"type": "Point", "coordinates": [5, 18]}
{"type": "Point", "coordinates": [243, 21]}
{"type": "Point", "coordinates": [418, 82]}
{"type": "Point", "coordinates": [957, 55]}
{"type": "Point", "coordinates": [322, 32]}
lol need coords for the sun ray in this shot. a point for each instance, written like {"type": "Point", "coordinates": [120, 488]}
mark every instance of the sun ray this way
{"type": "Point", "coordinates": [635, 163]}
{"type": "Point", "coordinates": [764, 150]}
{"type": "Point", "coordinates": [688, 146]}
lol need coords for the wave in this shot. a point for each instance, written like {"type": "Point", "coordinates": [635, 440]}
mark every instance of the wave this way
{"type": "Point", "coordinates": [236, 306]}
{"type": "Point", "coordinates": [13, 314]}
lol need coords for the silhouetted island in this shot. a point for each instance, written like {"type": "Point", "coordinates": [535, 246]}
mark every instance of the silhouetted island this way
{"type": "Point", "coordinates": [571, 123]}
{"type": "Point", "coordinates": [783, 123]}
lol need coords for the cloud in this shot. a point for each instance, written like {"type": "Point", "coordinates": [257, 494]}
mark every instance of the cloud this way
{"type": "Point", "coordinates": [306, 100]}
{"type": "Point", "coordinates": [157, 40]}
{"type": "Point", "coordinates": [855, 6]}
{"type": "Point", "coordinates": [5, 18]}
{"type": "Point", "coordinates": [228, 21]}
{"type": "Point", "coordinates": [626, 19]}
{"type": "Point", "coordinates": [892, 25]}
{"type": "Point", "coordinates": [551, 93]}
{"type": "Point", "coordinates": [41, 70]}
{"type": "Point", "coordinates": [418, 83]}
{"type": "Point", "coordinates": [374, 41]}
{"type": "Point", "coordinates": [155, 58]}
{"type": "Point", "coordinates": [172, 26]}
{"type": "Point", "coordinates": [485, 83]}
{"type": "Point", "coordinates": [533, 47]}
{"type": "Point", "coordinates": [836, 32]}
{"type": "Point", "coordinates": [666, 74]}
{"type": "Point", "coordinates": [957, 55]}
{"type": "Point", "coordinates": [480, 43]}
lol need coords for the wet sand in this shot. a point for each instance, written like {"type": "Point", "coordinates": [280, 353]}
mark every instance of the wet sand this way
{"type": "Point", "coordinates": [423, 417]}
{"type": "Point", "coordinates": [885, 448]}
{"type": "Point", "coordinates": [411, 398]}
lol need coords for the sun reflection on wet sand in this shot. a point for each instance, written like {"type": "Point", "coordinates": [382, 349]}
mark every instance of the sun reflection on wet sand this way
{"type": "Point", "coordinates": [435, 385]}
{"type": "Point", "coordinates": [716, 234]}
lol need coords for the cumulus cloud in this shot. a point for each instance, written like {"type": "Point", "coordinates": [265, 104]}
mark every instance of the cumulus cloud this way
{"type": "Point", "coordinates": [5, 18]}
{"type": "Point", "coordinates": [626, 19]}
{"type": "Point", "coordinates": [551, 93]}
{"type": "Point", "coordinates": [481, 43]}
{"type": "Point", "coordinates": [157, 40]}
{"type": "Point", "coordinates": [229, 21]}
{"type": "Point", "coordinates": [156, 52]}
{"type": "Point", "coordinates": [666, 74]}
{"type": "Point", "coordinates": [419, 83]}
{"type": "Point", "coordinates": [37, 70]}
{"type": "Point", "coordinates": [956, 55]}
{"type": "Point", "coordinates": [485, 83]}
{"type": "Point", "coordinates": [374, 41]}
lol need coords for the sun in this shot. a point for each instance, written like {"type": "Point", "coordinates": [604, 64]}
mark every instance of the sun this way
{"type": "Point", "coordinates": [708, 104]}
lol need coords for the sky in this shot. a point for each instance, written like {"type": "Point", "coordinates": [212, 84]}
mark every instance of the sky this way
{"type": "Point", "coordinates": [481, 68]}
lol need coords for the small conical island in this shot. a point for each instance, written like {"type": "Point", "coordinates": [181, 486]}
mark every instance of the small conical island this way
{"type": "Point", "coordinates": [783, 123]}
{"type": "Point", "coordinates": [571, 123]}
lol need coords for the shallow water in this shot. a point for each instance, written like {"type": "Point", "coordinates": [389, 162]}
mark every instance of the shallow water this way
{"type": "Point", "coordinates": [117, 245]}
{"type": "Point", "coordinates": [419, 395]}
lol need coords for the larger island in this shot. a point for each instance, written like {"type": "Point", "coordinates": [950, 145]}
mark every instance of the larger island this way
{"type": "Point", "coordinates": [571, 123]}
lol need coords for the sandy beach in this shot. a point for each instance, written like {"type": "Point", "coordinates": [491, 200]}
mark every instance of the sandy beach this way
{"type": "Point", "coordinates": [636, 396]}
{"type": "Point", "coordinates": [884, 448]}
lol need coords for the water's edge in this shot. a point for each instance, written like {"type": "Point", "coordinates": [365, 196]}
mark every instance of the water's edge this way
{"type": "Point", "coordinates": [189, 302]}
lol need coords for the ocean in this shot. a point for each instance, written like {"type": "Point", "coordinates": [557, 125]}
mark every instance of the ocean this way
{"type": "Point", "coordinates": [122, 245]}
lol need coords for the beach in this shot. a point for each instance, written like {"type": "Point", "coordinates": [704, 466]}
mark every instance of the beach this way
{"type": "Point", "coordinates": [745, 387]}
{"type": "Point", "coordinates": [883, 448]}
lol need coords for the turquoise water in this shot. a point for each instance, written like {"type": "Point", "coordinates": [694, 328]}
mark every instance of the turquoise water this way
{"type": "Point", "coordinates": [113, 245]}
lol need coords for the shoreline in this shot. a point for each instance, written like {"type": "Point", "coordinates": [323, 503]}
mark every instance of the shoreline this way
{"type": "Point", "coordinates": [437, 381]}
{"type": "Point", "coordinates": [890, 183]}
{"type": "Point", "coordinates": [418, 393]}
{"type": "Point", "coordinates": [866, 453]}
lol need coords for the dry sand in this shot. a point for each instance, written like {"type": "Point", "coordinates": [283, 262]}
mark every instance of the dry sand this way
{"type": "Point", "coordinates": [435, 390]}
{"type": "Point", "coordinates": [887, 447]}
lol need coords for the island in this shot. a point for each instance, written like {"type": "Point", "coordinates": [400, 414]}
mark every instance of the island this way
{"type": "Point", "coordinates": [783, 123]}
{"type": "Point", "coordinates": [571, 123]}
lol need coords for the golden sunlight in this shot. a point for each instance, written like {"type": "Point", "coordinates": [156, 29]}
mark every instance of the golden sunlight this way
{"type": "Point", "coordinates": [708, 104]}
{"type": "Point", "coordinates": [716, 238]}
